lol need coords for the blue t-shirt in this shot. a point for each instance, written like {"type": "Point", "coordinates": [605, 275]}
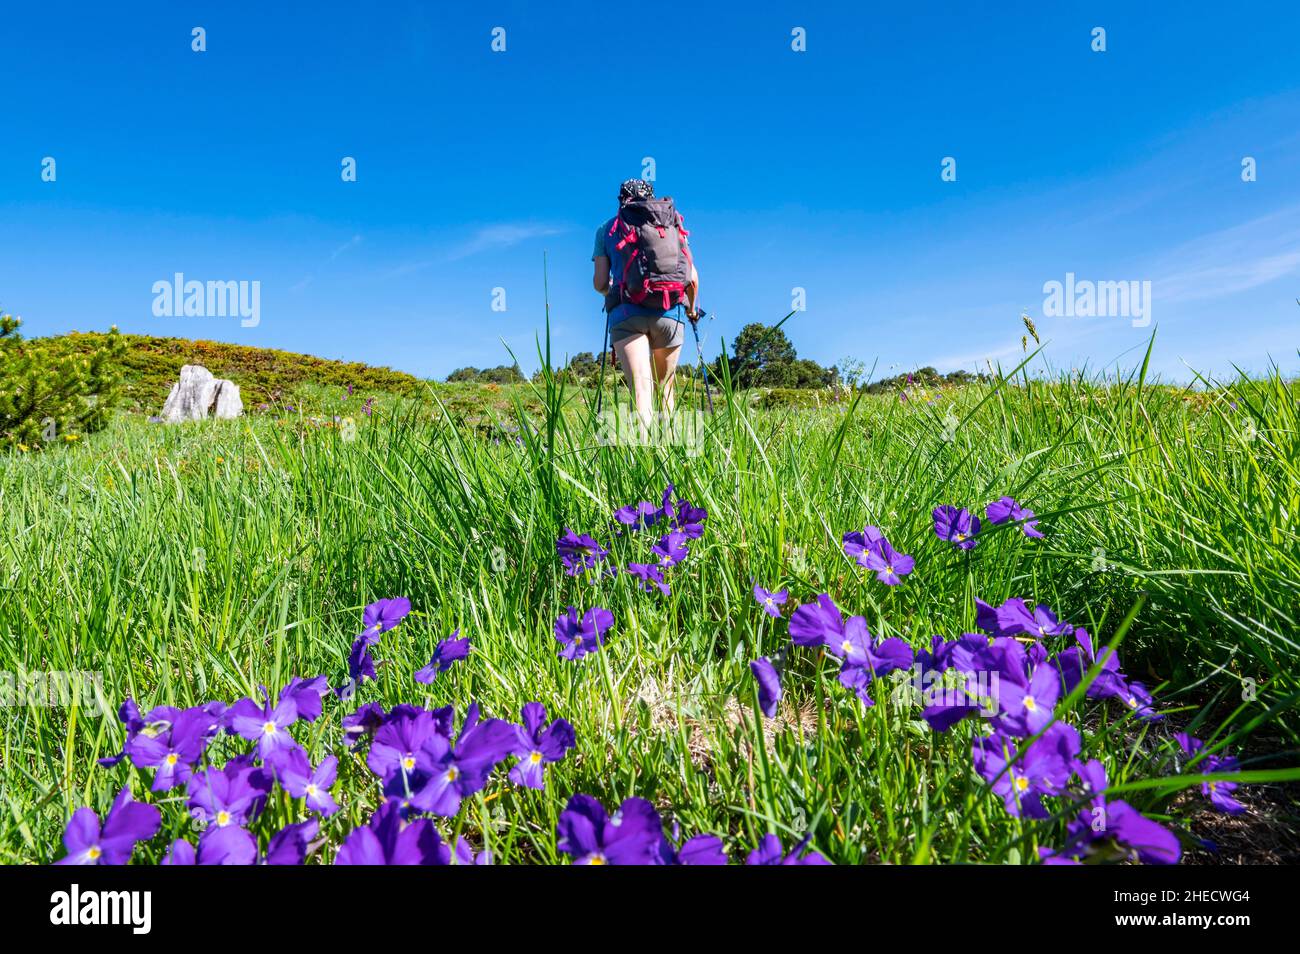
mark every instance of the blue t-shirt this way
{"type": "Point", "coordinates": [606, 246]}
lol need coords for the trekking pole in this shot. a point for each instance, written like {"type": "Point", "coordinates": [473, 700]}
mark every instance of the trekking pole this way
{"type": "Point", "coordinates": [699, 350]}
{"type": "Point", "coordinates": [604, 350]}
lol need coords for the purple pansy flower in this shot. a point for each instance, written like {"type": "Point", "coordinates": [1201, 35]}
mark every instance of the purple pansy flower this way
{"type": "Point", "coordinates": [769, 601]}
{"type": "Point", "coordinates": [578, 553]}
{"type": "Point", "coordinates": [817, 624]}
{"type": "Point", "coordinates": [770, 852]}
{"type": "Point", "coordinates": [651, 577]}
{"type": "Point", "coordinates": [538, 744]}
{"type": "Point", "coordinates": [444, 654]}
{"type": "Point", "coordinates": [579, 637]}
{"type": "Point", "coordinates": [870, 549]}
{"type": "Point", "coordinates": [388, 840]}
{"type": "Point", "coordinates": [1044, 769]}
{"type": "Point", "coordinates": [362, 723]}
{"type": "Point", "coordinates": [769, 685]}
{"type": "Point", "coordinates": [1114, 830]}
{"type": "Point", "coordinates": [956, 525]}
{"type": "Point", "coordinates": [289, 846]}
{"type": "Point", "coordinates": [698, 850]}
{"type": "Point", "coordinates": [383, 615]}
{"type": "Point", "coordinates": [299, 779]}
{"type": "Point", "coordinates": [127, 822]}
{"type": "Point", "coordinates": [457, 770]}
{"type": "Point", "coordinates": [172, 751]}
{"type": "Point", "coordinates": [1218, 792]}
{"type": "Point", "coordinates": [265, 724]}
{"type": "Point", "coordinates": [1006, 509]}
{"type": "Point", "coordinates": [671, 549]}
{"type": "Point", "coordinates": [591, 837]}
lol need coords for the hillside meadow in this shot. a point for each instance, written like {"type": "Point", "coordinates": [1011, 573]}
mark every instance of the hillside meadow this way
{"type": "Point", "coordinates": [186, 565]}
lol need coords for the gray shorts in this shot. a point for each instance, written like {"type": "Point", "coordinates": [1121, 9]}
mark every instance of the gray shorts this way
{"type": "Point", "coordinates": [663, 332]}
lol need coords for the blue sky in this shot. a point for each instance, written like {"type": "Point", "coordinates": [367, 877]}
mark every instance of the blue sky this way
{"type": "Point", "coordinates": [816, 169]}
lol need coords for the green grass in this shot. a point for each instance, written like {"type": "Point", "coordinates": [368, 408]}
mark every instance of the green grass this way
{"type": "Point", "coordinates": [198, 562]}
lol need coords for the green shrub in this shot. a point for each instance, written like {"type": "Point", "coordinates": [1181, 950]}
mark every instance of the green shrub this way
{"type": "Point", "coordinates": [49, 394]}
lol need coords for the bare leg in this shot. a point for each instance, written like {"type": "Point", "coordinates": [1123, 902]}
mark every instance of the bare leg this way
{"type": "Point", "coordinates": [634, 357]}
{"type": "Point", "coordinates": [666, 373]}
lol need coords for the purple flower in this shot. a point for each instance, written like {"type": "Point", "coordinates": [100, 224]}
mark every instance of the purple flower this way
{"type": "Point", "coordinates": [591, 837]}
{"type": "Point", "coordinates": [651, 577]}
{"type": "Point", "coordinates": [463, 854]}
{"type": "Point", "coordinates": [454, 771]}
{"type": "Point", "coordinates": [299, 779]}
{"type": "Point", "coordinates": [226, 799]}
{"type": "Point", "coordinates": [444, 654]}
{"type": "Point", "coordinates": [865, 660]}
{"type": "Point", "coordinates": [383, 615]}
{"type": "Point", "coordinates": [398, 748]}
{"type": "Point", "coordinates": [690, 519]}
{"type": "Point", "coordinates": [387, 840]}
{"type": "Point", "coordinates": [578, 553]}
{"type": "Point", "coordinates": [364, 722]}
{"type": "Point", "coordinates": [699, 850]}
{"type": "Point", "coordinates": [538, 744]}
{"type": "Point", "coordinates": [180, 853]}
{"type": "Point", "coordinates": [770, 852]}
{"type": "Point", "coordinates": [671, 549]}
{"type": "Point", "coordinates": [289, 846]}
{"type": "Point", "coordinates": [581, 637]}
{"type": "Point", "coordinates": [956, 525]}
{"type": "Point", "coordinates": [639, 515]}
{"type": "Point", "coordinates": [126, 823]}
{"type": "Point", "coordinates": [1218, 792]}
{"type": "Point", "coordinates": [770, 601]}
{"type": "Point", "coordinates": [361, 666]}
{"type": "Point", "coordinates": [769, 685]}
{"type": "Point", "coordinates": [1026, 709]}
{"type": "Point", "coordinates": [265, 724]}
{"type": "Point", "coordinates": [1044, 768]}
{"type": "Point", "coordinates": [1112, 830]}
{"type": "Point", "coordinates": [817, 624]}
{"type": "Point", "coordinates": [1008, 509]}
{"type": "Point", "coordinates": [1014, 618]}
{"type": "Point", "coordinates": [173, 750]}
{"type": "Point", "coordinates": [870, 549]}
{"type": "Point", "coordinates": [306, 695]}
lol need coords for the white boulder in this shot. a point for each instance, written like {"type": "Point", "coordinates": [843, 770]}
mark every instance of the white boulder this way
{"type": "Point", "coordinates": [199, 395]}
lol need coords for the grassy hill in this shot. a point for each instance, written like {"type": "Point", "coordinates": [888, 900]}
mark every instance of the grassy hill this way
{"type": "Point", "coordinates": [263, 374]}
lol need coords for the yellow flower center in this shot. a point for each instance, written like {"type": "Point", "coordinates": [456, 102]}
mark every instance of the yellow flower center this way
{"type": "Point", "coordinates": [847, 647]}
{"type": "Point", "coordinates": [596, 859]}
{"type": "Point", "coordinates": [1030, 704]}
{"type": "Point", "coordinates": [408, 763]}
{"type": "Point", "coordinates": [452, 774]}
{"type": "Point", "coordinates": [311, 790]}
{"type": "Point", "coordinates": [93, 851]}
{"type": "Point", "coordinates": [961, 537]}
{"type": "Point", "coordinates": [171, 758]}
{"type": "Point", "coordinates": [223, 819]}
{"type": "Point", "coordinates": [268, 728]}
{"type": "Point", "coordinates": [1021, 782]}
{"type": "Point", "coordinates": [535, 757]}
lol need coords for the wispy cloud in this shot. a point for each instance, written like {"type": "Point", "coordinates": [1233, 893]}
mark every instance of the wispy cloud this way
{"type": "Point", "coordinates": [488, 238]}
{"type": "Point", "coordinates": [501, 236]}
{"type": "Point", "coordinates": [346, 246]}
{"type": "Point", "coordinates": [1232, 260]}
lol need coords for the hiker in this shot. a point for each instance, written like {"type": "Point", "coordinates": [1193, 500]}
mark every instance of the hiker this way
{"type": "Point", "coordinates": [643, 267]}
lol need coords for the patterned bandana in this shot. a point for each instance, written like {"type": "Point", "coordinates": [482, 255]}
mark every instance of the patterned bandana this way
{"type": "Point", "coordinates": [634, 189]}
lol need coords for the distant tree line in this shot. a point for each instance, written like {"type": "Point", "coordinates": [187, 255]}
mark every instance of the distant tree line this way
{"type": "Point", "coordinates": [501, 374]}
{"type": "Point", "coordinates": [761, 357]}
